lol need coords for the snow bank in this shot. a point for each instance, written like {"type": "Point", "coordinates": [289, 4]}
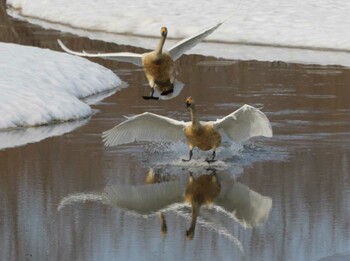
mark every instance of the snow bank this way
{"type": "Point", "coordinates": [313, 24]}
{"type": "Point", "coordinates": [39, 86]}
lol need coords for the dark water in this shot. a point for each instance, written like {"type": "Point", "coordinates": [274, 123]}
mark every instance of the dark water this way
{"type": "Point", "coordinates": [303, 169]}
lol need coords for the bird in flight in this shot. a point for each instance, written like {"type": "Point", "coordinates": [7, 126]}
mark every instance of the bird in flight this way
{"type": "Point", "coordinates": [158, 65]}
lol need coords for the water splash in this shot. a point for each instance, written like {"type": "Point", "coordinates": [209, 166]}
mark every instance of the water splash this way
{"type": "Point", "coordinates": [230, 156]}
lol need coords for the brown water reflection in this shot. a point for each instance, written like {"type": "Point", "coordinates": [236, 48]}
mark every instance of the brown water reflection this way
{"type": "Point", "coordinates": [304, 169]}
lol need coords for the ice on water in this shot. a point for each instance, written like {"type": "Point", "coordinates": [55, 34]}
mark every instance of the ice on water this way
{"type": "Point", "coordinates": [255, 29]}
{"type": "Point", "coordinates": [39, 86]}
{"type": "Point", "coordinates": [43, 87]}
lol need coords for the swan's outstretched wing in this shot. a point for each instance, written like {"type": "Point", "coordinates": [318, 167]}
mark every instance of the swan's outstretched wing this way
{"type": "Point", "coordinates": [145, 127]}
{"type": "Point", "coordinates": [244, 123]}
{"type": "Point", "coordinates": [133, 58]}
{"type": "Point", "coordinates": [181, 47]}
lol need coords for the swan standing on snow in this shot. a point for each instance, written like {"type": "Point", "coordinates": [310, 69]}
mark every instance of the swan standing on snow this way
{"type": "Point", "coordinates": [158, 65]}
{"type": "Point", "coordinates": [244, 123]}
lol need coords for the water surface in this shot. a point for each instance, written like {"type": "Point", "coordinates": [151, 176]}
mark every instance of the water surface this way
{"type": "Point", "coordinates": [304, 168]}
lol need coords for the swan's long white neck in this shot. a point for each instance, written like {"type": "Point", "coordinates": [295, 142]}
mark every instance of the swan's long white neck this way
{"type": "Point", "coordinates": [160, 45]}
{"type": "Point", "coordinates": [194, 120]}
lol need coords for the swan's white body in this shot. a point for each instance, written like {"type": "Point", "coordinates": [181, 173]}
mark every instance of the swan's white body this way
{"type": "Point", "coordinates": [158, 65]}
{"type": "Point", "coordinates": [244, 123]}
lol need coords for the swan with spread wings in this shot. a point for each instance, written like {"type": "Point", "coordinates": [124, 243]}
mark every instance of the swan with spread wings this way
{"type": "Point", "coordinates": [158, 65]}
{"type": "Point", "coordinates": [242, 124]}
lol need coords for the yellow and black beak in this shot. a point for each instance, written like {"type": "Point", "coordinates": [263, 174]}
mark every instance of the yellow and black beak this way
{"type": "Point", "coordinates": [189, 101]}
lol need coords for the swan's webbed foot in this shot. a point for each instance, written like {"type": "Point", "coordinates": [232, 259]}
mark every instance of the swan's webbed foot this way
{"type": "Point", "coordinates": [150, 97]}
{"type": "Point", "coordinates": [191, 153]}
{"type": "Point", "coordinates": [167, 92]}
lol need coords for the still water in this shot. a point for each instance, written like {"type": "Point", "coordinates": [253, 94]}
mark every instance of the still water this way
{"type": "Point", "coordinates": [291, 193]}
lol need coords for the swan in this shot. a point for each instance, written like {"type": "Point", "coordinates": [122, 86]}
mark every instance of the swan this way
{"type": "Point", "coordinates": [201, 191]}
{"type": "Point", "coordinates": [158, 65]}
{"type": "Point", "coordinates": [242, 124]}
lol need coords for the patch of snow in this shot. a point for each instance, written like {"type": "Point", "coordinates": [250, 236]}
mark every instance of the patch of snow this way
{"type": "Point", "coordinates": [39, 86]}
{"type": "Point", "coordinates": [314, 31]}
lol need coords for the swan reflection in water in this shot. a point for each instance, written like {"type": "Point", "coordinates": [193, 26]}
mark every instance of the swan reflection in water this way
{"type": "Point", "coordinates": [163, 193]}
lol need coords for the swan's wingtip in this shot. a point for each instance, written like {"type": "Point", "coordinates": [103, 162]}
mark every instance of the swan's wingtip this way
{"type": "Point", "coordinates": [60, 43]}
{"type": "Point", "coordinates": [63, 47]}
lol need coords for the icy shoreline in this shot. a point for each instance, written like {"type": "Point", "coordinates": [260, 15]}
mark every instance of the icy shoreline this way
{"type": "Point", "coordinates": [40, 86]}
{"type": "Point", "coordinates": [271, 31]}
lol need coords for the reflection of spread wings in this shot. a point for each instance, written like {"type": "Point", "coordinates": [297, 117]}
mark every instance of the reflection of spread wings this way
{"type": "Point", "coordinates": [244, 123]}
{"type": "Point", "coordinates": [133, 58]}
{"type": "Point", "coordinates": [249, 207]}
{"type": "Point", "coordinates": [145, 127]}
{"type": "Point", "coordinates": [145, 199]}
{"type": "Point", "coordinates": [186, 44]}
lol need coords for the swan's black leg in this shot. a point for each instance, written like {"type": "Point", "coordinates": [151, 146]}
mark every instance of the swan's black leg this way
{"type": "Point", "coordinates": [191, 153]}
{"type": "Point", "coordinates": [212, 158]}
{"type": "Point", "coordinates": [151, 97]}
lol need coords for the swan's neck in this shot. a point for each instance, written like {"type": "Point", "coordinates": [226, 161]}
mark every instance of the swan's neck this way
{"type": "Point", "coordinates": [195, 213]}
{"type": "Point", "coordinates": [160, 45]}
{"type": "Point", "coordinates": [194, 119]}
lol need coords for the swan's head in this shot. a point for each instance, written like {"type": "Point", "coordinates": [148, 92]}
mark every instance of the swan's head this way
{"type": "Point", "coordinates": [189, 102]}
{"type": "Point", "coordinates": [164, 31]}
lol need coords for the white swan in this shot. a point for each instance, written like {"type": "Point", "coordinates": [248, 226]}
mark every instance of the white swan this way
{"type": "Point", "coordinates": [158, 65]}
{"type": "Point", "coordinates": [244, 123]}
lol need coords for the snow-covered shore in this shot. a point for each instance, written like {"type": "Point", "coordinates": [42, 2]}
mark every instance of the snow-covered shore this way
{"type": "Point", "coordinates": [314, 31]}
{"type": "Point", "coordinates": [39, 86]}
